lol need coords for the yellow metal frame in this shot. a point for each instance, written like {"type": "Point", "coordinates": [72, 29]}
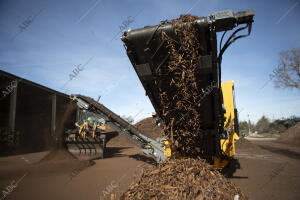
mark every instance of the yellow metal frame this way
{"type": "Point", "coordinates": [84, 129]}
{"type": "Point", "coordinates": [167, 149]}
{"type": "Point", "coordinates": [227, 145]}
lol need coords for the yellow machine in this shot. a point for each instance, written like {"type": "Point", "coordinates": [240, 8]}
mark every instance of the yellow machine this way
{"type": "Point", "coordinates": [167, 149]}
{"type": "Point", "coordinates": [230, 126]}
{"type": "Point", "coordinates": [85, 129]}
{"type": "Point", "coordinates": [149, 50]}
{"type": "Point", "coordinates": [88, 140]}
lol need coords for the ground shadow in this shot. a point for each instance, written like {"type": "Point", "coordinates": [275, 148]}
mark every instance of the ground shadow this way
{"type": "Point", "coordinates": [144, 158]}
{"type": "Point", "coordinates": [285, 152]}
{"type": "Point", "coordinates": [114, 152]}
{"type": "Point", "coordinates": [231, 168]}
{"type": "Point", "coordinates": [110, 135]}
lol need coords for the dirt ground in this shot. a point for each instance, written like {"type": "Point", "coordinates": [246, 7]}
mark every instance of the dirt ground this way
{"type": "Point", "coordinates": [60, 176]}
{"type": "Point", "coordinates": [269, 170]}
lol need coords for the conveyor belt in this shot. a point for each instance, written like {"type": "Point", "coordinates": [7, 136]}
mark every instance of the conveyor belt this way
{"type": "Point", "coordinates": [148, 145]}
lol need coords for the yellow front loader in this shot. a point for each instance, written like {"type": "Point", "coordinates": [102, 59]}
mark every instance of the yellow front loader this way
{"type": "Point", "coordinates": [88, 139]}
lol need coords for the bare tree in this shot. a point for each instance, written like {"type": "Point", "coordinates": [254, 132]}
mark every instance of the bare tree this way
{"type": "Point", "coordinates": [129, 119]}
{"type": "Point", "coordinates": [287, 74]}
{"type": "Point", "coordinates": [262, 125]}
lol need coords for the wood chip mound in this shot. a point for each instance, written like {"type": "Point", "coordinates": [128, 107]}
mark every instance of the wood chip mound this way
{"type": "Point", "coordinates": [182, 179]}
{"type": "Point", "coordinates": [291, 135]}
{"type": "Point", "coordinates": [149, 128]}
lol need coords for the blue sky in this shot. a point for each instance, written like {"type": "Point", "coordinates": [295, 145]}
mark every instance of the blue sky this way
{"type": "Point", "coordinates": [67, 33]}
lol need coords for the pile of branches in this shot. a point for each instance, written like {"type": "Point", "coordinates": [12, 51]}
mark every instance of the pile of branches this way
{"type": "Point", "coordinates": [182, 179]}
{"type": "Point", "coordinates": [180, 95]}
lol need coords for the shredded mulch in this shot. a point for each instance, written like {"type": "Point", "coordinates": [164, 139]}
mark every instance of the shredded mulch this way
{"type": "Point", "coordinates": [182, 179]}
{"type": "Point", "coordinates": [181, 96]}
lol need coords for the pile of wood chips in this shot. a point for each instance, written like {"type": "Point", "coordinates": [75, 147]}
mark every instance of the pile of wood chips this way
{"type": "Point", "coordinates": [149, 128]}
{"type": "Point", "coordinates": [182, 179]}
